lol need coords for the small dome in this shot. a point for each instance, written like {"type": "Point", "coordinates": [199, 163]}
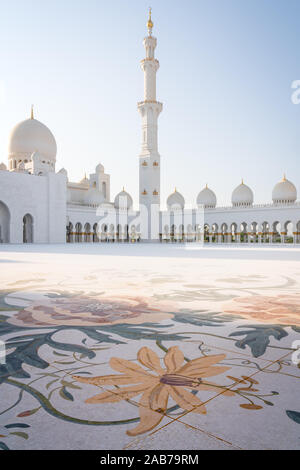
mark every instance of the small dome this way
{"type": "Point", "coordinates": [63, 171]}
{"type": "Point", "coordinates": [175, 201]}
{"type": "Point", "coordinates": [99, 168]}
{"type": "Point", "coordinates": [123, 200]}
{"type": "Point", "coordinates": [29, 136]}
{"type": "Point", "coordinates": [85, 181]}
{"type": "Point", "coordinates": [284, 192]}
{"type": "Point", "coordinates": [93, 197]}
{"type": "Point", "coordinates": [3, 167]}
{"type": "Point", "coordinates": [242, 196]}
{"type": "Point", "coordinates": [207, 198]}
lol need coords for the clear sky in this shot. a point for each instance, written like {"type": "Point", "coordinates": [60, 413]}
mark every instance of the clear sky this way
{"type": "Point", "coordinates": [225, 80]}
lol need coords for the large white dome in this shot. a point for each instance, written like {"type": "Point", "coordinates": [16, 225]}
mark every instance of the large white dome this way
{"type": "Point", "coordinates": [123, 200]}
{"type": "Point", "coordinates": [284, 192]}
{"type": "Point", "coordinates": [242, 196]}
{"type": "Point", "coordinates": [30, 136]}
{"type": "Point", "coordinates": [175, 201]}
{"type": "Point", "coordinates": [207, 198]}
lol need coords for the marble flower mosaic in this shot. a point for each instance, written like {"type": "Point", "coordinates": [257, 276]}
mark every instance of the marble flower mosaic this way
{"type": "Point", "coordinates": [113, 361]}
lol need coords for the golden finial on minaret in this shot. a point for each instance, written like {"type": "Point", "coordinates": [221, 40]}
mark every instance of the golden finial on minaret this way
{"type": "Point", "coordinates": [31, 115]}
{"type": "Point", "coordinates": [150, 22]}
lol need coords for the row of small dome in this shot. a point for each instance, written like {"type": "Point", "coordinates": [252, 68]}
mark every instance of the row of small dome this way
{"type": "Point", "coordinates": [283, 192]}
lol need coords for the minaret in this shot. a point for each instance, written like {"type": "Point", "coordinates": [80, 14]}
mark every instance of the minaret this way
{"type": "Point", "coordinates": [149, 159]}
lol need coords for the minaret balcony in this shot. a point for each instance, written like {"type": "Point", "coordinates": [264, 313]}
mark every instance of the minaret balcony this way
{"type": "Point", "coordinates": [141, 103]}
{"type": "Point", "coordinates": [149, 59]}
{"type": "Point", "coordinates": [144, 106]}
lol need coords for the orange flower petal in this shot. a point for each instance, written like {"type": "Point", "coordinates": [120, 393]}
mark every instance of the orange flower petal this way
{"type": "Point", "coordinates": [128, 367]}
{"type": "Point", "coordinates": [173, 359]}
{"type": "Point", "coordinates": [150, 359]}
{"type": "Point", "coordinates": [149, 418]}
{"type": "Point", "coordinates": [113, 396]}
{"type": "Point", "coordinates": [195, 367]}
{"type": "Point", "coordinates": [186, 400]}
{"type": "Point", "coordinates": [159, 398]}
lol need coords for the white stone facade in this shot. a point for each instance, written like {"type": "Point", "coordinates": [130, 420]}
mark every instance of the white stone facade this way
{"type": "Point", "coordinates": [40, 205]}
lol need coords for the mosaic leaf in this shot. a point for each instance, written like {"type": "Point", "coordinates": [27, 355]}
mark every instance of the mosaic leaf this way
{"type": "Point", "coordinates": [65, 394]}
{"type": "Point", "coordinates": [294, 415]}
{"type": "Point", "coordinates": [3, 446]}
{"type": "Point", "coordinates": [17, 425]}
{"type": "Point", "coordinates": [258, 337]}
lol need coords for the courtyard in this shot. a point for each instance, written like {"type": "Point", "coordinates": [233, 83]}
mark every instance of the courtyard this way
{"type": "Point", "coordinates": [149, 346]}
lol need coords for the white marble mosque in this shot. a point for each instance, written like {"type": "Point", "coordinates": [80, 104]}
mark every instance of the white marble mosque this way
{"type": "Point", "coordinates": [40, 205]}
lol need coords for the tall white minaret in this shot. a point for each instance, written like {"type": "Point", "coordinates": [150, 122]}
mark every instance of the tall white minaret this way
{"type": "Point", "coordinates": [149, 159]}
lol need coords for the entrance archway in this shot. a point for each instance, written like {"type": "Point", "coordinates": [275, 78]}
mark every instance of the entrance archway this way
{"type": "Point", "coordinates": [27, 228]}
{"type": "Point", "coordinates": [4, 223]}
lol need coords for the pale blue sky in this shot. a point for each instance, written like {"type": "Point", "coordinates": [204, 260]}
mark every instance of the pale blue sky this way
{"type": "Point", "coordinates": [225, 81]}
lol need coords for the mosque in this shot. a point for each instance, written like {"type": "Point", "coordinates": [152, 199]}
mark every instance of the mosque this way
{"type": "Point", "coordinates": [40, 205]}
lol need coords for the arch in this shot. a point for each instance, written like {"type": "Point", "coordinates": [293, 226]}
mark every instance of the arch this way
{"type": "Point", "coordinates": [4, 223]}
{"type": "Point", "coordinates": [119, 232]}
{"type": "Point", "coordinates": [265, 232]}
{"type": "Point", "coordinates": [78, 232]}
{"type": "Point", "coordinates": [253, 232]}
{"type": "Point", "coordinates": [206, 233]}
{"type": "Point", "coordinates": [244, 232]}
{"type": "Point", "coordinates": [126, 233]}
{"type": "Point", "coordinates": [95, 233]}
{"type": "Point", "coordinates": [87, 233]}
{"type": "Point", "coordinates": [132, 233]}
{"type": "Point", "coordinates": [233, 232]}
{"type": "Point", "coordinates": [28, 228]}
{"type": "Point", "coordinates": [288, 236]}
{"type": "Point", "coordinates": [224, 233]}
{"type": "Point", "coordinates": [166, 233]}
{"type": "Point", "coordinates": [215, 233]}
{"type": "Point", "coordinates": [181, 233]}
{"type": "Point", "coordinates": [297, 234]}
{"type": "Point", "coordinates": [70, 233]}
{"type": "Point", "coordinates": [173, 232]}
{"type": "Point", "coordinates": [276, 232]}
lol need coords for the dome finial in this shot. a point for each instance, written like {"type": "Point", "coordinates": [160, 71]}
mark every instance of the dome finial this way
{"type": "Point", "coordinates": [284, 177]}
{"type": "Point", "coordinates": [150, 22]}
{"type": "Point", "coordinates": [31, 114]}
{"type": "Point", "coordinates": [242, 180]}
{"type": "Point", "coordinates": [123, 189]}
